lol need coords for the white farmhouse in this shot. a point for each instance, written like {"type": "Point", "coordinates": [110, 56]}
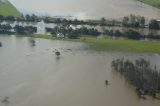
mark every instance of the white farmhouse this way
{"type": "Point", "coordinates": [41, 28]}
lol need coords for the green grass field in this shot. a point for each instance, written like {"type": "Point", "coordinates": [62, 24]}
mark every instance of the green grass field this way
{"type": "Point", "coordinates": [42, 36]}
{"type": "Point", "coordinates": [106, 44]}
{"type": "Point", "coordinates": [125, 45]}
{"type": "Point", "coordinates": [7, 9]}
{"type": "Point", "coordinates": [155, 3]}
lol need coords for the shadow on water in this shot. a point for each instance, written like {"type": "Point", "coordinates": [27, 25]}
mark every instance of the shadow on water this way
{"type": "Point", "coordinates": [6, 101]}
{"type": "Point", "coordinates": [58, 58]}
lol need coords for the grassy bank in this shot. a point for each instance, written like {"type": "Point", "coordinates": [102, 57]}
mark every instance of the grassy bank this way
{"type": "Point", "coordinates": [52, 37]}
{"type": "Point", "coordinates": [155, 3]}
{"type": "Point", "coordinates": [42, 36]}
{"type": "Point", "coordinates": [7, 9]}
{"type": "Point", "coordinates": [125, 45]}
{"type": "Point", "coordinates": [115, 45]}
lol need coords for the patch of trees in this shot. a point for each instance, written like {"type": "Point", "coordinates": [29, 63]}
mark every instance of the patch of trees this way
{"type": "Point", "coordinates": [7, 18]}
{"type": "Point", "coordinates": [28, 18]}
{"type": "Point", "coordinates": [131, 34]}
{"type": "Point", "coordinates": [154, 24]}
{"type": "Point", "coordinates": [0, 44]}
{"type": "Point", "coordinates": [74, 33]}
{"type": "Point", "coordinates": [140, 74]}
{"type": "Point", "coordinates": [152, 36]}
{"type": "Point", "coordinates": [31, 18]}
{"type": "Point", "coordinates": [5, 29]}
{"type": "Point", "coordinates": [88, 31]}
{"type": "Point", "coordinates": [133, 21]}
{"type": "Point", "coordinates": [27, 30]}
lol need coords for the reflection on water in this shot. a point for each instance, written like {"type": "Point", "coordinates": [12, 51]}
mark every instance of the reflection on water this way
{"type": "Point", "coordinates": [33, 76]}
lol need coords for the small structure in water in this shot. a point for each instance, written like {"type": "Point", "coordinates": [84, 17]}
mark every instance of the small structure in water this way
{"type": "Point", "coordinates": [106, 82]}
{"type": "Point", "coordinates": [57, 53]}
{"type": "Point", "coordinates": [32, 41]}
{"type": "Point", "coordinates": [0, 44]}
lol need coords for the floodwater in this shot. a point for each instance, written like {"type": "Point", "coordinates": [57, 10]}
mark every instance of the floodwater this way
{"type": "Point", "coordinates": [84, 9]}
{"type": "Point", "coordinates": [34, 76]}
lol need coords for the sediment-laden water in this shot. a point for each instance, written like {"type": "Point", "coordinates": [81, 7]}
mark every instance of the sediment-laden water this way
{"type": "Point", "coordinates": [87, 9]}
{"type": "Point", "coordinates": [34, 76]}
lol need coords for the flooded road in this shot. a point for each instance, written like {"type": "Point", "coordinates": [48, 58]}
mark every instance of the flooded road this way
{"type": "Point", "coordinates": [34, 76]}
{"type": "Point", "coordinates": [87, 9]}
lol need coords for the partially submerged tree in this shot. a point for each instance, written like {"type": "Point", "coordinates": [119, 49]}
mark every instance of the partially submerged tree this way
{"type": "Point", "coordinates": [0, 44]}
{"type": "Point", "coordinates": [140, 74]}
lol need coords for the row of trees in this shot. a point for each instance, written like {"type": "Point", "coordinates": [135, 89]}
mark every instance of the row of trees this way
{"type": "Point", "coordinates": [154, 24]}
{"type": "Point", "coordinates": [133, 21]}
{"type": "Point", "coordinates": [131, 34]}
{"type": "Point", "coordinates": [27, 30]}
{"type": "Point", "coordinates": [73, 33]}
{"type": "Point", "coordinates": [30, 18]}
{"type": "Point", "coordinates": [139, 74]}
{"type": "Point", "coordinates": [0, 44]}
{"type": "Point", "coordinates": [6, 29]}
{"type": "Point", "coordinates": [128, 21]}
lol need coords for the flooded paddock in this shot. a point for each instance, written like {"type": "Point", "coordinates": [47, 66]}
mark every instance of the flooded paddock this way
{"type": "Point", "coordinates": [34, 76]}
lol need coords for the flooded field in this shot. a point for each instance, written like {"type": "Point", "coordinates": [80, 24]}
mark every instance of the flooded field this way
{"type": "Point", "coordinates": [34, 76]}
{"type": "Point", "coordinates": [87, 9]}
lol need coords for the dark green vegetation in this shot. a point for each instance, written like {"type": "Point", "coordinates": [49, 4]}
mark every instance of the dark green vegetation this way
{"type": "Point", "coordinates": [133, 21]}
{"type": "Point", "coordinates": [7, 9]}
{"type": "Point", "coordinates": [139, 74]}
{"type": "Point", "coordinates": [154, 24]}
{"type": "Point", "coordinates": [5, 29]}
{"type": "Point", "coordinates": [131, 34]}
{"type": "Point", "coordinates": [20, 30]}
{"type": "Point", "coordinates": [155, 3]}
{"type": "Point", "coordinates": [69, 32]}
{"type": "Point", "coordinates": [0, 44]}
{"type": "Point", "coordinates": [27, 30]}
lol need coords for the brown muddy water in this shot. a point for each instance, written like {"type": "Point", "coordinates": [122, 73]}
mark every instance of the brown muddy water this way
{"type": "Point", "coordinates": [87, 9]}
{"type": "Point", "coordinates": [34, 76]}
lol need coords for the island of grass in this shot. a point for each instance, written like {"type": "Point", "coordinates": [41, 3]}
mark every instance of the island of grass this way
{"type": "Point", "coordinates": [155, 3]}
{"type": "Point", "coordinates": [7, 9]}
{"type": "Point", "coordinates": [108, 44]}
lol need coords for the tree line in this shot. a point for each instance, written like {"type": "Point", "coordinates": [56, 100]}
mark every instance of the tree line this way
{"type": "Point", "coordinates": [66, 30]}
{"type": "Point", "coordinates": [131, 34]}
{"type": "Point", "coordinates": [140, 74]}
{"type": "Point", "coordinates": [73, 33]}
{"type": "Point", "coordinates": [131, 21]}
{"type": "Point", "coordinates": [24, 30]}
